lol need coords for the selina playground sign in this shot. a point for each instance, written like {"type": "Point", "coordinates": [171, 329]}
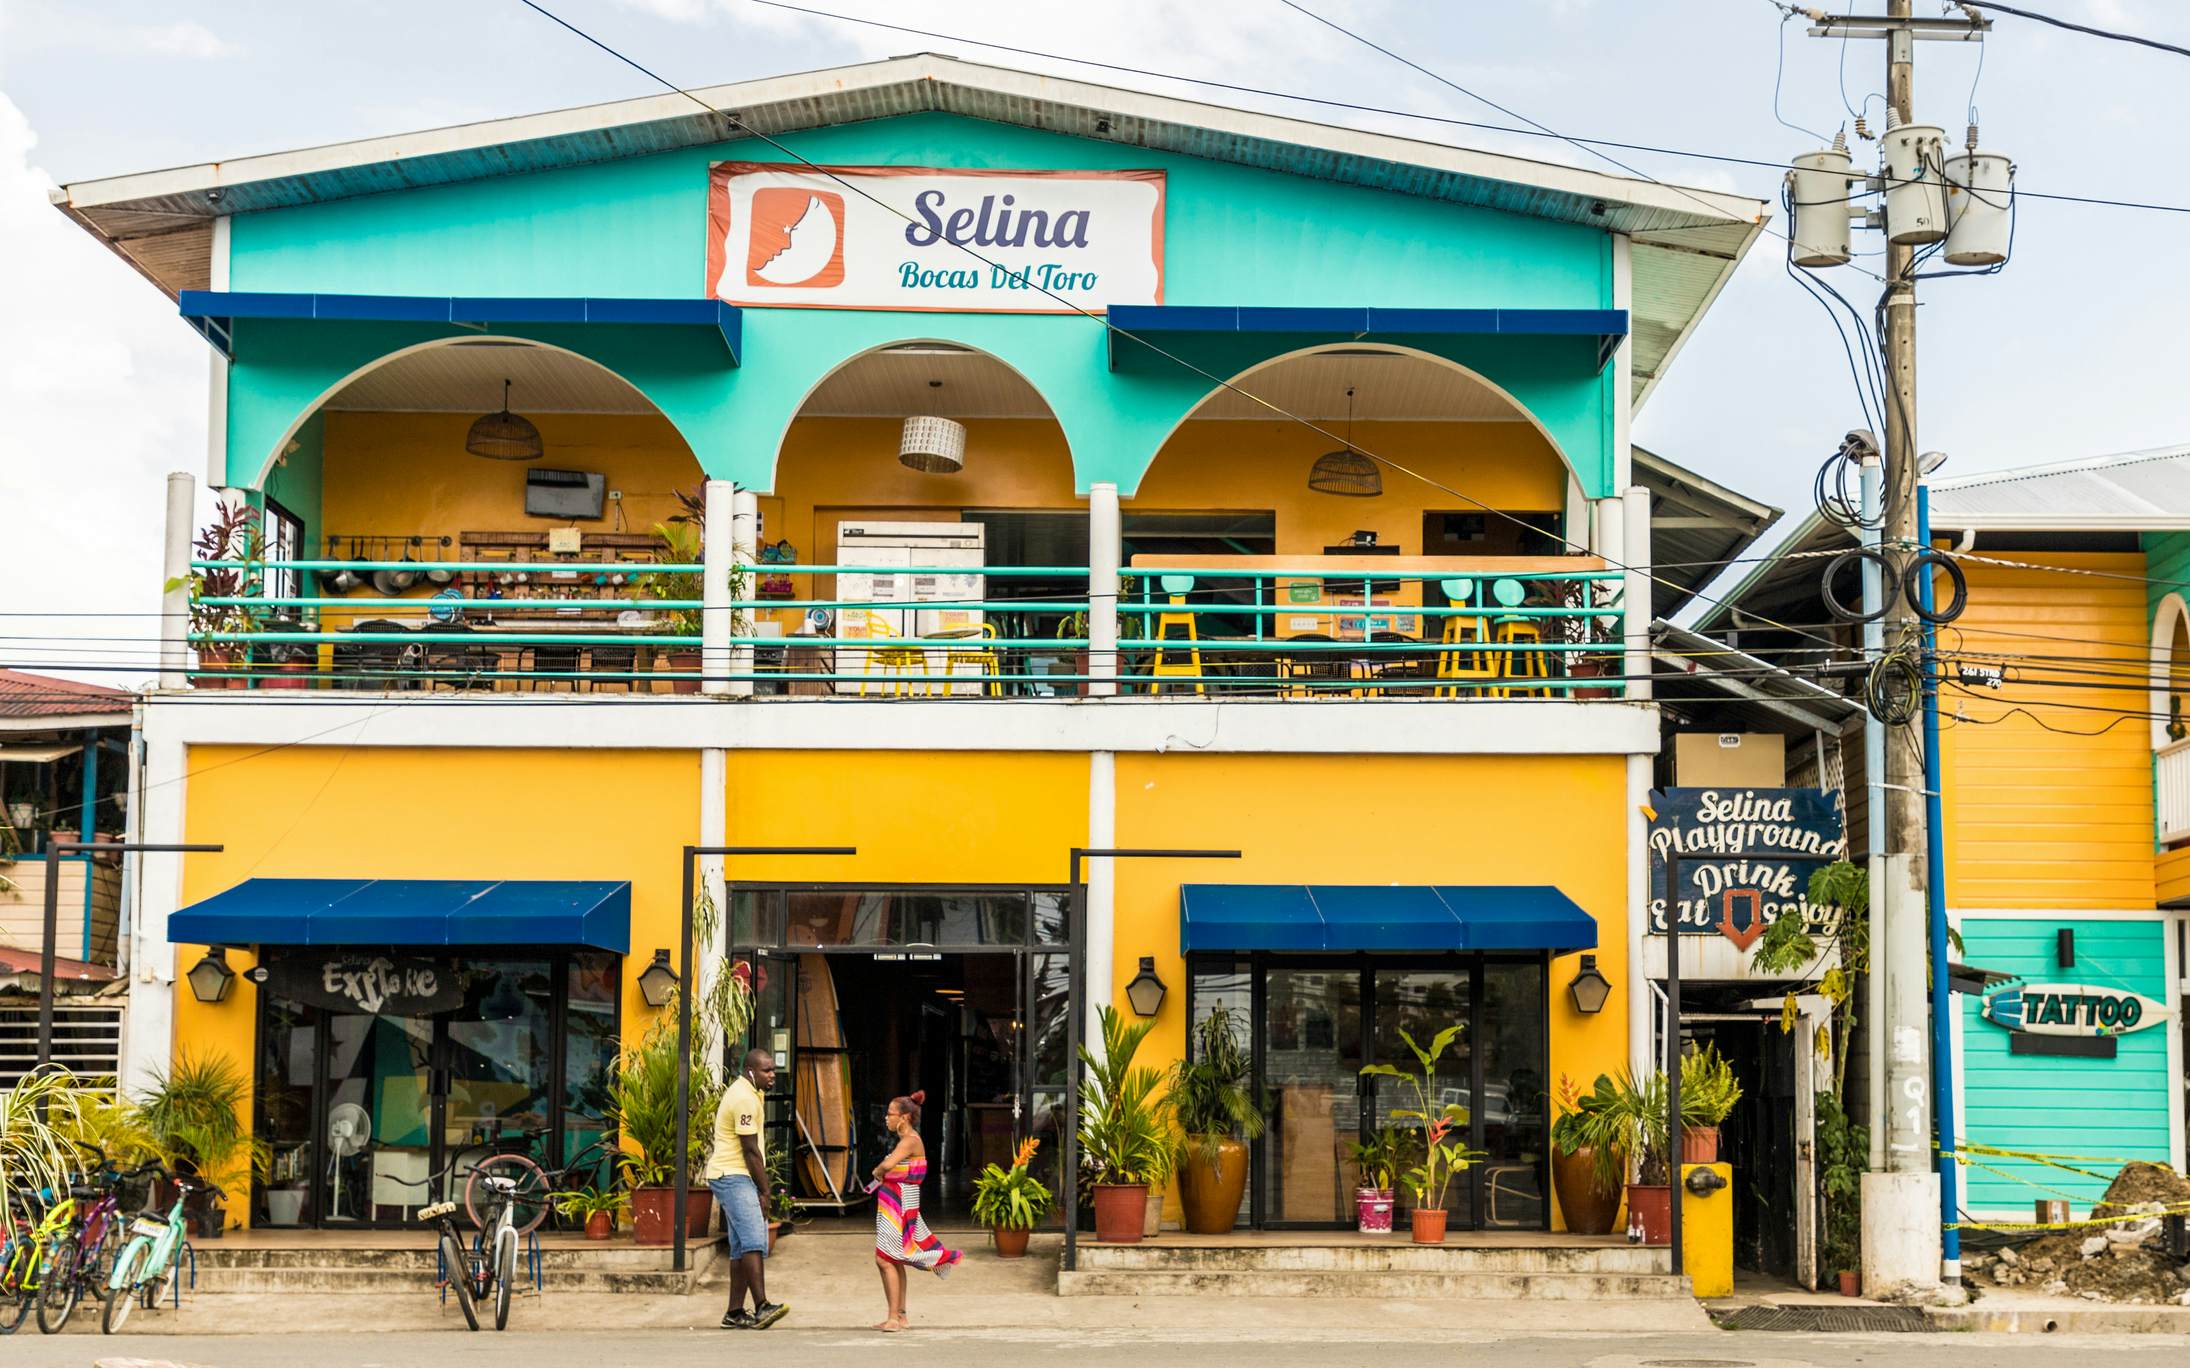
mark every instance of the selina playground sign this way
{"type": "Point", "coordinates": [2072, 1009]}
{"type": "Point", "coordinates": [928, 238]}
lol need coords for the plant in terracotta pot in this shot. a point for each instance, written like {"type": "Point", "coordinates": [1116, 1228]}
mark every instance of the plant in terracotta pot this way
{"type": "Point", "coordinates": [1589, 1199]}
{"type": "Point", "coordinates": [1376, 1160]}
{"type": "Point", "coordinates": [1624, 1121]}
{"type": "Point", "coordinates": [215, 627]}
{"type": "Point", "coordinates": [1442, 1156]}
{"type": "Point", "coordinates": [595, 1208]}
{"type": "Point", "coordinates": [1122, 1139]}
{"type": "Point", "coordinates": [1011, 1202]}
{"type": "Point", "coordinates": [1212, 1103]}
{"type": "Point", "coordinates": [195, 1114]}
{"type": "Point", "coordinates": [1708, 1093]}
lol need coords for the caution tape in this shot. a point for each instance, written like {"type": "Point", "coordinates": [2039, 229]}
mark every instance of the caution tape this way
{"type": "Point", "coordinates": [2174, 1209]}
{"type": "Point", "coordinates": [1962, 1155]}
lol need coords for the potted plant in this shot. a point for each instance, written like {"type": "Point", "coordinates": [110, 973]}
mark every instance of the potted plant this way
{"type": "Point", "coordinates": [233, 535]}
{"type": "Point", "coordinates": [1212, 1104]}
{"type": "Point", "coordinates": [1623, 1121]}
{"type": "Point", "coordinates": [1375, 1160]}
{"type": "Point", "coordinates": [1121, 1133]}
{"type": "Point", "coordinates": [194, 1115]}
{"type": "Point", "coordinates": [782, 1206]}
{"type": "Point", "coordinates": [1011, 1202]}
{"type": "Point", "coordinates": [1708, 1093]}
{"type": "Point", "coordinates": [596, 1207]}
{"type": "Point", "coordinates": [642, 1096]}
{"type": "Point", "coordinates": [1441, 1159]}
{"type": "Point", "coordinates": [1843, 1150]}
{"type": "Point", "coordinates": [1589, 1199]}
{"type": "Point", "coordinates": [683, 541]}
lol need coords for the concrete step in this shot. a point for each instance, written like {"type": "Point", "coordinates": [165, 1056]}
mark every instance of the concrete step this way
{"type": "Point", "coordinates": [326, 1280]}
{"type": "Point", "coordinates": [600, 1258]}
{"type": "Point", "coordinates": [1408, 1285]}
{"type": "Point", "coordinates": [1169, 1256]}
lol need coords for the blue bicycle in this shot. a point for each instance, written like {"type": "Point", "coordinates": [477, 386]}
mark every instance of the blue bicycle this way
{"type": "Point", "coordinates": [146, 1264]}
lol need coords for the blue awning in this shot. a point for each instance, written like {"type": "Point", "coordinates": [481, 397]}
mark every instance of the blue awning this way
{"type": "Point", "coordinates": [411, 912]}
{"type": "Point", "coordinates": [1170, 324]}
{"type": "Point", "coordinates": [1395, 918]}
{"type": "Point", "coordinates": [213, 312]}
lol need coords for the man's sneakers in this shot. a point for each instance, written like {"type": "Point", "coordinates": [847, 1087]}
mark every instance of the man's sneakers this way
{"type": "Point", "coordinates": [768, 1313]}
{"type": "Point", "coordinates": [740, 1319]}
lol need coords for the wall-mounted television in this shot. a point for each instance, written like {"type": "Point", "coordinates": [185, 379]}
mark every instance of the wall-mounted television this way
{"type": "Point", "coordinates": [565, 493]}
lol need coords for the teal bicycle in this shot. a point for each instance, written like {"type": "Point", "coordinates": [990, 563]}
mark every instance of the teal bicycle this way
{"type": "Point", "coordinates": [147, 1264]}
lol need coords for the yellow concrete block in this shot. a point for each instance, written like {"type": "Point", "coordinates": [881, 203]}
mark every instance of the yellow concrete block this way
{"type": "Point", "coordinates": [1707, 1232]}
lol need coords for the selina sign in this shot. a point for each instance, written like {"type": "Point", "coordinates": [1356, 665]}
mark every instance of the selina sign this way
{"type": "Point", "coordinates": [1746, 856]}
{"type": "Point", "coordinates": [964, 241]}
{"type": "Point", "coordinates": [2072, 1009]}
{"type": "Point", "coordinates": [377, 984]}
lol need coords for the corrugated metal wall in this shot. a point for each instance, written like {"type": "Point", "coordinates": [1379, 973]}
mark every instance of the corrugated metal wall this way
{"type": "Point", "coordinates": [2051, 806]}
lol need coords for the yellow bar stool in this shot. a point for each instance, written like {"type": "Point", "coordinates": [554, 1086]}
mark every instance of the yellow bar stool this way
{"type": "Point", "coordinates": [1513, 632]}
{"type": "Point", "coordinates": [1461, 653]}
{"type": "Point", "coordinates": [1167, 663]}
{"type": "Point", "coordinates": [898, 665]}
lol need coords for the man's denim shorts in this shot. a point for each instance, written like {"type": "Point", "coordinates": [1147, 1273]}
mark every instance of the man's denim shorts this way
{"type": "Point", "coordinates": [741, 1217]}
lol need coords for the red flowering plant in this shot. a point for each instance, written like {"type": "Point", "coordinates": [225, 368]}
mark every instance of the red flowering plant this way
{"type": "Point", "coordinates": [1441, 1157]}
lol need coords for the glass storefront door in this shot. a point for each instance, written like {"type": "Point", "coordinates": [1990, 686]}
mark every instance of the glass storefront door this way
{"type": "Point", "coordinates": [1417, 1004]}
{"type": "Point", "coordinates": [1311, 1076]}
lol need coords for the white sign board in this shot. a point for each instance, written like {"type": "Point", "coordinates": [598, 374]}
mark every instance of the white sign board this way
{"type": "Point", "coordinates": [817, 237]}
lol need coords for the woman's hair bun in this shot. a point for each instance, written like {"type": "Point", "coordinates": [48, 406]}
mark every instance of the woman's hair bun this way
{"type": "Point", "coordinates": [919, 1098]}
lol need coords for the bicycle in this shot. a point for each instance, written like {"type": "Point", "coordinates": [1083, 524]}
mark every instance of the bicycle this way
{"type": "Point", "coordinates": [83, 1262]}
{"type": "Point", "coordinates": [480, 1272]}
{"type": "Point", "coordinates": [147, 1263]}
{"type": "Point", "coordinates": [37, 1246]}
{"type": "Point", "coordinates": [533, 1186]}
{"type": "Point", "coordinates": [18, 1259]}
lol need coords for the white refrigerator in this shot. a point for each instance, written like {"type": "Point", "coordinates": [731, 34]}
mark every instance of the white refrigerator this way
{"type": "Point", "coordinates": [942, 565]}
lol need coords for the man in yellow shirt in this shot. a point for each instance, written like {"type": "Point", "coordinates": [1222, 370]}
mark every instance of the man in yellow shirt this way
{"type": "Point", "coordinates": [737, 1173]}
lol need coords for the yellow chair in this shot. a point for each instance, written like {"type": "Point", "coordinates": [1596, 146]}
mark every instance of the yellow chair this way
{"type": "Point", "coordinates": [1515, 632]}
{"type": "Point", "coordinates": [1461, 654]}
{"type": "Point", "coordinates": [1167, 664]}
{"type": "Point", "coordinates": [892, 662]}
{"type": "Point", "coordinates": [981, 658]}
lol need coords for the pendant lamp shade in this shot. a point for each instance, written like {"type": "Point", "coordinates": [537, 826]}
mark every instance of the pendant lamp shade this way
{"type": "Point", "coordinates": [933, 446]}
{"type": "Point", "coordinates": [1346, 472]}
{"type": "Point", "coordinates": [504, 436]}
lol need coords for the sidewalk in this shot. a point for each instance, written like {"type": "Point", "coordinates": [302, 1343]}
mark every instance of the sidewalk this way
{"type": "Point", "coordinates": [829, 1279]}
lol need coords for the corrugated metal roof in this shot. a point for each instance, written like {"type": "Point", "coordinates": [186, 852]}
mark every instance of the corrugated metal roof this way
{"type": "Point", "coordinates": [1685, 241]}
{"type": "Point", "coordinates": [1702, 675]}
{"type": "Point", "coordinates": [1696, 526]}
{"type": "Point", "coordinates": [2137, 491]}
{"type": "Point", "coordinates": [32, 695]}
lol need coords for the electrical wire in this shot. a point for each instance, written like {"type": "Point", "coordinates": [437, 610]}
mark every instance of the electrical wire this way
{"type": "Point", "coordinates": [2073, 27]}
{"type": "Point", "coordinates": [1779, 76]}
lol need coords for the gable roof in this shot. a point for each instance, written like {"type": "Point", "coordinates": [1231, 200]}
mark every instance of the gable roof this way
{"type": "Point", "coordinates": [1684, 242]}
{"type": "Point", "coordinates": [36, 697]}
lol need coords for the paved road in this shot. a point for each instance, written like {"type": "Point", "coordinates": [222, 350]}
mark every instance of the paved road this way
{"type": "Point", "coordinates": [788, 1348]}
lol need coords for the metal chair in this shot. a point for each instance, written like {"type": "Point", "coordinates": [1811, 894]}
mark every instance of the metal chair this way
{"type": "Point", "coordinates": [981, 658]}
{"type": "Point", "coordinates": [894, 663]}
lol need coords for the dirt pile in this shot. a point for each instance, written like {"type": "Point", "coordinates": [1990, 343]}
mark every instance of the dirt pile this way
{"type": "Point", "coordinates": [2125, 1260]}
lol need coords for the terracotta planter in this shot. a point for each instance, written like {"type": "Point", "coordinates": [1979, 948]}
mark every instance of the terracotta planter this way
{"type": "Point", "coordinates": [1121, 1210]}
{"type": "Point", "coordinates": [1010, 1244]}
{"type": "Point", "coordinates": [1699, 1144]}
{"type": "Point", "coordinates": [600, 1224]}
{"type": "Point", "coordinates": [1649, 1214]}
{"type": "Point", "coordinates": [774, 1228]}
{"type": "Point", "coordinates": [1592, 669]}
{"type": "Point", "coordinates": [1373, 1211]}
{"type": "Point", "coordinates": [1211, 1192]}
{"type": "Point", "coordinates": [1591, 1207]}
{"type": "Point", "coordinates": [651, 1219]}
{"type": "Point", "coordinates": [1851, 1283]}
{"type": "Point", "coordinates": [1427, 1224]}
{"type": "Point", "coordinates": [683, 661]}
{"type": "Point", "coordinates": [1152, 1219]}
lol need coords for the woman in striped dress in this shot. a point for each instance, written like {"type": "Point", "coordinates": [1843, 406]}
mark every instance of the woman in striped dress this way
{"type": "Point", "coordinates": [901, 1238]}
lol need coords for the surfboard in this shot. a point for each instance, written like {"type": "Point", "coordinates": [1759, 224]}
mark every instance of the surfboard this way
{"type": "Point", "coordinates": [823, 1096]}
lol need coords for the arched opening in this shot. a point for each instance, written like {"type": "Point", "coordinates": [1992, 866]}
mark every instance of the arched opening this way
{"type": "Point", "coordinates": [2170, 674]}
{"type": "Point", "coordinates": [378, 470]}
{"type": "Point", "coordinates": [844, 496]}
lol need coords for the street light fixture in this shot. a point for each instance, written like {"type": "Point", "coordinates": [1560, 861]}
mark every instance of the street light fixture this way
{"type": "Point", "coordinates": [1145, 992]}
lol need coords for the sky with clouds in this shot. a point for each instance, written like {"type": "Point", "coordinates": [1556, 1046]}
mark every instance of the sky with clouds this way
{"type": "Point", "coordinates": [2075, 350]}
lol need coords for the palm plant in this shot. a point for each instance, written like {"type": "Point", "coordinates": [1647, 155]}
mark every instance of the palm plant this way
{"type": "Point", "coordinates": [1210, 1099]}
{"type": "Point", "coordinates": [1122, 1138]}
{"type": "Point", "coordinates": [195, 1116]}
{"type": "Point", "coordinates": [35, 1116]}
{"type": "Point", "coordinates": [642, 1102]}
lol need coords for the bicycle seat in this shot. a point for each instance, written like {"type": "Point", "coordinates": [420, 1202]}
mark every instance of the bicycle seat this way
{"type": "Point", "coordinates": [436, 1211]}
{"type": "Point", "coordinates": [499, 1183]}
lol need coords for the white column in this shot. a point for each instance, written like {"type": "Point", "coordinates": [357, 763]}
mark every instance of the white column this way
{"type": "Point", "coordinates": [148, 1032]}
{"type": "Point", "coordinates": [1635, 983]}
{"type": "Point", "coordinates": [1100, 971]}
{"type": "Point", "coordinates": [1104, 547]}
{"type": "Point", "coordinates": [216, 395]}
{"type": "Point", "coordinates": [1623, 365]}
{"type": "Point", "coordinates": [718, 556]}
{"type": "Point", "coordinates": [713, 951]}
{"type": "Point", "coordinates": [125, 916]}
{"type": "Point", "coordinates": [182, 509]}
{"type": "Point", "coordinates": [1636, 593]}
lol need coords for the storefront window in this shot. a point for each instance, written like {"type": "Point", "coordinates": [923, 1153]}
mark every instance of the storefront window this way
{"type": "Point", "coordinates": [288, 1064]}
{"type": "Point", "coordinates": [499, 1052]}
{"type": "Point", "coordinates": [1514, 1133]}
{"type": "Point", "coordinates": [1231, 987]}
{"type": "Point", "coordinates": [853, 917]}
{"type": "Point", "coordinates": [589, 1050]}
{"type": "Point", "coordinates": [1312, 1076]}
{"type": "Point", "coordinates": [1422, 1003]}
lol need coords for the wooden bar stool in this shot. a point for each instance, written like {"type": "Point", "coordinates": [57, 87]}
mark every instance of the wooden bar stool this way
{"type": "Point", "coordinates": [1167, 664]}
{"type": "Point", "coordinates": [1513, 632]}
{"type": "Point", "coordinates": [1461, 653]}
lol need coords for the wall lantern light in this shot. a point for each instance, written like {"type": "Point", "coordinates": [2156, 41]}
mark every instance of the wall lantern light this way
{"type": "Point", "coordinates": [658, 982]}
{"type": "Point", "coordinates": [211, 979]}
{"type": "Point", "coordinates": [1145, 992]}
{"type": "Point", "coordinates": [1589, 988]}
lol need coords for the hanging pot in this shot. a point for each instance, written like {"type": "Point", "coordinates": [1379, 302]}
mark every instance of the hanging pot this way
{"type": "Point", "coordinates": [389, 583]}
{"type": "Point", "coordinates": [440, 573]}
{"type": "Point", "coordinates": [344, 581]}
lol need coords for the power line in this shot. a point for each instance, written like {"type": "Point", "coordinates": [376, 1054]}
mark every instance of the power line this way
{"type": "Point", "coordinates": [2074, 27]}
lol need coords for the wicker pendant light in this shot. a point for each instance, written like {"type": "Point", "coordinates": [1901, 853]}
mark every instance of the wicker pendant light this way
{"type": "Point", "coordinates": [1347, 472]}
{"type": "Point", "coordinates": [932, 445]}
{"type": "Point", "coordinates": [504, 436]}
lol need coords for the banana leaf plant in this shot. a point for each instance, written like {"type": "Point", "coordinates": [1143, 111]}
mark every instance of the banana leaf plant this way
{"type": "Point", "coordinates": [1430, 1179]}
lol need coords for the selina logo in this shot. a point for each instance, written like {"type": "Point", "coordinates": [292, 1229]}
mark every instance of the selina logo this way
{"type": "Point", "coordinates": [797, 238]}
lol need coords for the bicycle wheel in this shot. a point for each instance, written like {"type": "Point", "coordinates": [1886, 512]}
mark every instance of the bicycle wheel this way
{"type": "Point", "coordinates": [458, 1273]}
{"type": "Point", "coordinates": [528, 1201]}
{"type": "Point", "coordinates": [14, 1311]}
{"type": "Point", "coordinates": [505, 1275]}
{"type": "Point", "coordinates": [57, 1298]}
{"type": "Point", "coordinates": [124, 1297]}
